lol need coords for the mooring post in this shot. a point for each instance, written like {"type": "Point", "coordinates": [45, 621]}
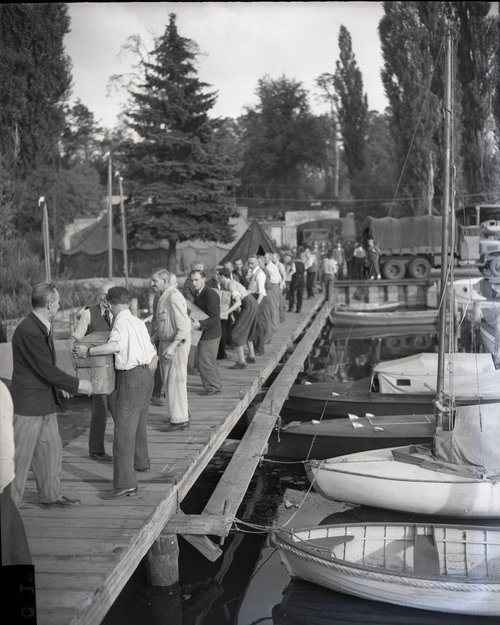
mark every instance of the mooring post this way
{"type": "Point", "coordinates": [163, 561]}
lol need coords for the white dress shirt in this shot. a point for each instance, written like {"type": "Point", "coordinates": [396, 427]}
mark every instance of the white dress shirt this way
{"type": "Point", "coordinates": [132, 337]}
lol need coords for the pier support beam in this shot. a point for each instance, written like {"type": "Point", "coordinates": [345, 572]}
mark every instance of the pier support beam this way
{"type": "Point", "coordinates": [163, 561]}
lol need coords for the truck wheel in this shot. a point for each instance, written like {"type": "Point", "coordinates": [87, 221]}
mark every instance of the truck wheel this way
{"type": "Point", "coordinates": [419, 268]}
{"type": "Point", "coordinates": [393, 269]}
{"type": "Point", "coordinates": [494, 266]}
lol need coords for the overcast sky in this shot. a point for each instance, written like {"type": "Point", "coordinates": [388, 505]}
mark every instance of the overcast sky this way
{"type": "Point", "coordinates": [239, 42]}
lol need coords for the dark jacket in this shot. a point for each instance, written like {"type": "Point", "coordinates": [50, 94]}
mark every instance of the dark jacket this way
{"type": "Point", "coordinates": [35, 375]}
{"type": "Point", "coordinates": [209, 302]}
{"type": "Point", "coordinates": [98, 322]}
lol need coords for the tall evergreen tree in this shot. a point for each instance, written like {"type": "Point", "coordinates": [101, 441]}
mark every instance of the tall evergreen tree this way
{"type": "Point", "coordinates": [282, 141]}
{"type": "Point", "coordinates": [181, 182]}
{"type": "Point", "coordinates": [35, 80]}
{"type": "Point", "coordinates": [353, 104]}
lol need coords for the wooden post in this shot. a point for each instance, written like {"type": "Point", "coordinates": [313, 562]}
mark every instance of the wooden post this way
{"type": "Point", "coordinates": [163, 561]}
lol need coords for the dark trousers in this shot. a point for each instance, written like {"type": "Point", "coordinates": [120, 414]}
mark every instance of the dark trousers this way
{"type": "Point", "coordinates": [296, 293]}
{"type": "Point", "coordinates": [207, 364]}
{"type": "Point", "coordinates": [100, 406]}
{"type": "Point", "coordinates": [311, 277]}
{"type": "Point", "coordinates": [158, 382]}
{"type": "Point", "coordinates": [130, 445]}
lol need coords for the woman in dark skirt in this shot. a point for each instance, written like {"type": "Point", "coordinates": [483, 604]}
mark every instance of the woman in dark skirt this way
{"type": "Point", "coordinates": [245, 309]}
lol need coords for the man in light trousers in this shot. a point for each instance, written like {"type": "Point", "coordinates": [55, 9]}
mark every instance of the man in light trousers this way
{"type": "Point", "coordinates": [173, 328]}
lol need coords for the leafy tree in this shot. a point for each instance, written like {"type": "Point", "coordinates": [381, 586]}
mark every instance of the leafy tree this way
{"type": "Point", "coordinates": [415, 109]}
{"type": "Point", "coordinates": [477, 75]}
{"type": "Point", "coordinates": [353, 104]}
{"type": "Point", "coordinates": [326, 85]}
{"type": "Point", "coordinates": [181, 182]}
{"type": "Point", "coordinates": [282, 141]}
{"type": "Point", "coordinates": [34, 84]}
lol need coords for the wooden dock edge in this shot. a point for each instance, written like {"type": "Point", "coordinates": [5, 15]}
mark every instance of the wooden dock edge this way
{"type": "Point", "coordinates": [218, 516]}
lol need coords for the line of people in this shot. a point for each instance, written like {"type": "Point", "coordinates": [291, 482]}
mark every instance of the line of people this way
{"type": "Point", "coordinates": [254, 308]}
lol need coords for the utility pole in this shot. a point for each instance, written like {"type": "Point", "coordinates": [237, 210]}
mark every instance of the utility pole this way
{"type": "Point", "coordinates": [110, 216]}
{"type": "Point", "coordinates": [124, 229]}
{"type": "Point", "coordinates": [45, 235]}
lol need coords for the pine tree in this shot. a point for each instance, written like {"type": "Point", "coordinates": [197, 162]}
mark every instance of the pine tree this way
{"type": "Point", "coordinates": [353, 104]}
{"type": "Point", "coordinates": [181, 182]}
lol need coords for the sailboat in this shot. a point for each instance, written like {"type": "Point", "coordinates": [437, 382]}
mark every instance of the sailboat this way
{"type": "Point", "coordinates": [459, 474]}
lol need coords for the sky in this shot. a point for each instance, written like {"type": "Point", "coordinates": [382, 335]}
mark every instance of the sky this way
{"type": "Point", "coordinates": [239, 42]}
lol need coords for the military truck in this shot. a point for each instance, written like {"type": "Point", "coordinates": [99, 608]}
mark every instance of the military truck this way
{"type": "Point", "coordinates": [411, 246]}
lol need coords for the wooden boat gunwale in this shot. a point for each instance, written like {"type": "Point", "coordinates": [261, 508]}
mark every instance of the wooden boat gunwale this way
{"type": "Point", "coordinates": [427, 581]}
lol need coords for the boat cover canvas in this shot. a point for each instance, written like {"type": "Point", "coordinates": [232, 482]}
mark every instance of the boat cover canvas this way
{"type": "Point", "coordinates": [465, 375]}
{"type": "Point", "coordinates": [474, 441]}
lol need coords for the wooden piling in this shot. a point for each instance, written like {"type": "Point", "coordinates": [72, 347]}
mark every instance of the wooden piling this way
{"type": "Point", "coordinates": [162, 561]}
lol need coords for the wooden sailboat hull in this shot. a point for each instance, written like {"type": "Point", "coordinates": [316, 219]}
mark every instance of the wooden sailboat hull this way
{"type": "Point", "coordinates": [399, 318]}
{"type": "Point", "coordinates": [336, 437]}
{"type": "Point", "coordinates": [451, 569]}
{"type": "Point", "coordinates": [338, 400]}
{"type": "Point", "coordinates": [368, 307]}
{"type": "Point", "coordinates": [376, 478]}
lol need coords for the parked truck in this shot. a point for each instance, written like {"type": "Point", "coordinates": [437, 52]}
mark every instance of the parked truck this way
{"type": "Point", "coordinates": [412, 245]}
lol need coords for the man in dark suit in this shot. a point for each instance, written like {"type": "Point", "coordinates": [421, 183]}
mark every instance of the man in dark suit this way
{"type": "Point", "coordinates": [35, 380]}
{"type": "Point", "coordinates": [208, 301]}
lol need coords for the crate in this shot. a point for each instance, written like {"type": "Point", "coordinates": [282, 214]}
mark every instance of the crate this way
{"type": "Point", "coordinates": [99, 370]}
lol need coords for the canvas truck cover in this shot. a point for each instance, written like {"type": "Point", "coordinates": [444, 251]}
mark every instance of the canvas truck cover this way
{"type": "Point", "coordinates": [466, 375]}
{"type": "Point", "coordinates": [406, 235]}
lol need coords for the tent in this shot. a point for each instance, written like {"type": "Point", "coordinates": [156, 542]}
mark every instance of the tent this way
{"type": "Point", "coordinates": [88, 255]}
{"type": "Point", "coordinates": [254, 241]}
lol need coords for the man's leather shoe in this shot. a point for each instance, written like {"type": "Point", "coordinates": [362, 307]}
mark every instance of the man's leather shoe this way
{"type": "Point", "coordinates": [63, 502]}
{"type": "Point", "coordinates": [212, 392]}
{"type": "Point", "coordinates": [101, 457]}
{"type": "Point", "coordinates": [171, 427]}
{"type": "Point", "coordinates": [144, 469]}
{"type": "Point", "coordinates": [124, 492]}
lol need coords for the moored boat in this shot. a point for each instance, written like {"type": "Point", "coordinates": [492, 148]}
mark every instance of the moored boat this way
{"type": "Point", "coordinates": [369, 306]}
{"type": "Point", "coordinates": [459, 477]}
{"type": "Point", "coordinates": [336, 437]}
{"type": "Point", "coordinates": [446, 568]}
{"type": "Point", "coordinates": [402, 386]}
{"type": "Point", "coordinates": [386, 319]}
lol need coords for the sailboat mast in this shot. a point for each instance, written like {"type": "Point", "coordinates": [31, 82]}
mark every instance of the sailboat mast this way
{"type": "Point", "coordinates": [445, 237]}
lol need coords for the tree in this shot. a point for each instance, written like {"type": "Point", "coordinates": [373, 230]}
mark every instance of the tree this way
{"type": "Point", "coordinates": [477, 75]}
{"type": "Point", "coordinates": [353, 104]}
{"type": "Point", "coordinates": [326, 85]}
{"type": "Point", "coordinates": [35, 81]}
{"type": "Point", "coordinates": [181, 182]}
{"type": "Point", "coordinates": [415, 109]}
{"type": "Point", "coordinates": [282, 141]}
{"type": "Point", "coordinates": [81, 138]}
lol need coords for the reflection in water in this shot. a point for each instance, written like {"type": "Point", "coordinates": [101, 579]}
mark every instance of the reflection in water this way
{"type": "Point", "coordinates": [307, 604]}
{"type": "Point", "coordinates": [343, 355]}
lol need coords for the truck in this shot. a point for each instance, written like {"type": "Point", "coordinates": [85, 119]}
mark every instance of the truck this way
{"type": "Point", "coordinates": [411, 246]}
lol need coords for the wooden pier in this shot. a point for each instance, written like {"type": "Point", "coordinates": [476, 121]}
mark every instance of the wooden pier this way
{"type": "Point", "coordinates": [83, 557]}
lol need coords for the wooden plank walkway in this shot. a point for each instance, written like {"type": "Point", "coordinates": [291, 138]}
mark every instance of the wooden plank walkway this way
{"type": "Point", "coordinates": [83, 557]}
